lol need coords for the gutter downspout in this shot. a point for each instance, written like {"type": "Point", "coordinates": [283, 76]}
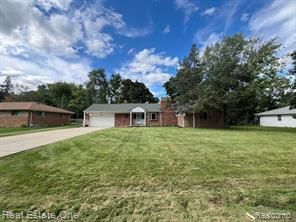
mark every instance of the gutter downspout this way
{"type": "Point", "coordinates": [30, 122]}
{"type": "Point", "coordinates": [83, 124]}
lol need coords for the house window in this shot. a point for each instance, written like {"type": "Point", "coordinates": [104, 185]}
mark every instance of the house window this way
{"type": "Point", "coordinates": [203, 116]}
{"type": "Point", "coordinates": [126, 115]}
{"type": "Point", "coordinates": [153, 116]}
{"type": "Point", "coordinates": [279, 118]}
{"type": "Point", "coordinates": [15, 113]}
{"type": "Point", "coordinates": [41, 113]}
{"type": "Point", "coordinates": [62, 115]}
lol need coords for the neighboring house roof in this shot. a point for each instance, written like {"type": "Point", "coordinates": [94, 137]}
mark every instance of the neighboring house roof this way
{"type": "Point", "coordinates": [281, 111]}
{"type": "Point", "coordinates": [31, 106]}
{"type": "Point", "coordinates": [123, 108]}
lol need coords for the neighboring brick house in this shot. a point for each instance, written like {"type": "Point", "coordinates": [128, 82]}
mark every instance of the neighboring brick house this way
{"type": "Point", "coordinates": [147, 114]}
{"type": "Point", "coordinates": [26, 114]}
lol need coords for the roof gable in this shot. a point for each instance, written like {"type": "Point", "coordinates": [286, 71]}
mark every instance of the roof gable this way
{"type": "Point", "coordinates": [31, 106]}
{"type": "Point", "coordinates": [280, 111]}
{"type": "Point", "coordinates": [123, 108]}
{"type": "Point", "coordinates": [138, 109]}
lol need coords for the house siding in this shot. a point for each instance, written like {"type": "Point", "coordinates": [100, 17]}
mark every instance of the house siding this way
{"type": "Point", "coordinates": [51, 119]}
{"type": "Point", "coordinates": [7, 120]}
{"type": "Point", "coordinates": [287, 121]}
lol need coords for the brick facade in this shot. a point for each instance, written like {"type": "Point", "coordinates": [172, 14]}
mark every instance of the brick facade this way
{"type": "Point", "coordinates": [51, 119]}
{"type": "Point", "coordinates": [24, 118]}
{"type": "Point", "coordinates": [7, 120]}
{"type": "Point", "coordinates": [169, 117]}
{"type": "Point", "coordinates": [122, 119]}
{"type": "Point", "coordinates": [153, 122]}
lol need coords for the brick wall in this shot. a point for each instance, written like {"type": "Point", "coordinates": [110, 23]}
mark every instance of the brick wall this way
{"type": "Point", "coordinates": [153, 122]}
{"type": "Point", "coordinates": [122, 119]}
{"type": "Point", "coordinates": [169, 117]}
{"type": "Point", "coordinates": [51, 119]}
{"type": "Point", "coordinates": [7, 120]}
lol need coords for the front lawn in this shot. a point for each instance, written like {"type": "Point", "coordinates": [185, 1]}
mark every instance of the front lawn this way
{"type": "Point", "coordinates": [156, 174]}
{"type": "Point", "coordinates": [23, 130]}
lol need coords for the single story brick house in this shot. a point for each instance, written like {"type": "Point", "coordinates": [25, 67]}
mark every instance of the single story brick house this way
{"type": "Point", "coordinates": [146, 114]}
{"type": "Point", "coordinates": [26, 114]}
{"type": "Point", "coordinates": [282, 117]}
{"type": "Point", "coordinates": [129, 114]}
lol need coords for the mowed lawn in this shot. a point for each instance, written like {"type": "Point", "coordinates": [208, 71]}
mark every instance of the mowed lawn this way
{"type": "Point", "coordinates": [156, 174]}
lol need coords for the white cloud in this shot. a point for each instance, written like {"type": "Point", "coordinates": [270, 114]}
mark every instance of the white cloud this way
{"type": "Point", "coordinates": [130, 51]}
{"type": "Point", "coordinates": [57, 4]}
{"type": "Point", "coordinates": [276, 20]}
{"type": "Point", "coordinates": [44, 70]}
{"type": "Point", "coordinates": [100, 46]}
{"type": "Point", "coordinates": [209, 11]}
{"type": "Point", "coordinates": [38, 46]}
{"type": "Point", "coordinates": [211, 39]}
{"type": "Point", "coordinates": [167, 29]}
{"type": "Point", "coordinates": [245, 17]}
{"type": "Point", "coordinates": [149, 67]}
{"type": "Point", "coordinates": [188, 8]}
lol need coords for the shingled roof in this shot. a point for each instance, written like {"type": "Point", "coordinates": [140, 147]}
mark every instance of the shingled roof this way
{"type": "Point", "coordinates": [123, 108]}
{"type": "Point", "coordinates": [31, 106]}
{"type": "Point", "coordinates": [281, 111]}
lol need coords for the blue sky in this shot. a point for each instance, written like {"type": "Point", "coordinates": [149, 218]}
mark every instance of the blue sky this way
{"type": "Point", "coordinates": [62, 40]}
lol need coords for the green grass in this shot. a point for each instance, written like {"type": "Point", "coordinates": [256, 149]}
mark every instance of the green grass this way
{"type": "Point", "coordinates": [156, 174]}
{"type": "Point", "coordinates": [23, 130]}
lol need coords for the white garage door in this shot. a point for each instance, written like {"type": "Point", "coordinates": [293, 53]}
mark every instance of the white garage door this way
{"type": "Point", "coordinates": [101, 119]}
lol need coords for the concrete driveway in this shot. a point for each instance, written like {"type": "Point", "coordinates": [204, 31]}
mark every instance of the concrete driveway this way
{"type": "Point", "coordinates": [18, 143]}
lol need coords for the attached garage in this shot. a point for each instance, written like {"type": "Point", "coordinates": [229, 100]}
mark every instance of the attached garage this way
{"type": "Point", "coordinates": [101, 119]}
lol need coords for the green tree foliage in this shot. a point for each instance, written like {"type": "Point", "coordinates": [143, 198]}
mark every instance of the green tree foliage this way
{"type": "Point", "coordinates": [97, 86]}
{"type": "Point", "coordinates": [6, 88]}
{"type": "Point", "coordinates": [293, 74]}
{"type": "Point", "coordinates": [135, 92]}
{"type": "Point", "coordinates": [238, 76]}
{"type": "Point", "coordinates": [77, 103]}
{"type": "Point", "coordinates": [185, 88]}
{"type": "Point", "coordinates": [115, 88]}
{"type": "Point", "coordinates": [60, 93]}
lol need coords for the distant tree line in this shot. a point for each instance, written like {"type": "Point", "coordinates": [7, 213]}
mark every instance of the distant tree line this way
{"type": "Point", "coordinates": [77, 97]}
{"type": "Point", "coordinates": [239, 76]}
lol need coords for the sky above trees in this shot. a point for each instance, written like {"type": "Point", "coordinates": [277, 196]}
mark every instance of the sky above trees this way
{"type": "Point", "coordinates": [51, 40]}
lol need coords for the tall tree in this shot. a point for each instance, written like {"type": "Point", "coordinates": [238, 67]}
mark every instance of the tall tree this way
{"type": "Point", "coordinates": [115, 84]}
{"type": "Point", "coordinates": [238, 76]}
{"type": "Point", "coordinates": [293, 74]}
{"type": "Point", "coordinates": [6, 89]}
{"type": "Point", "coordinates": [78, 103]}
{"type": "Point", "coordinates": [185, 88]}
{"type": "Point", "coordinates": [97, 86]}
{"type": "Point", "coordinates": [60, 93]}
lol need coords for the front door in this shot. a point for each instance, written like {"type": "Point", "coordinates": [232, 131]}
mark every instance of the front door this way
{"type": "Point", "coordinates": [138, 118]}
